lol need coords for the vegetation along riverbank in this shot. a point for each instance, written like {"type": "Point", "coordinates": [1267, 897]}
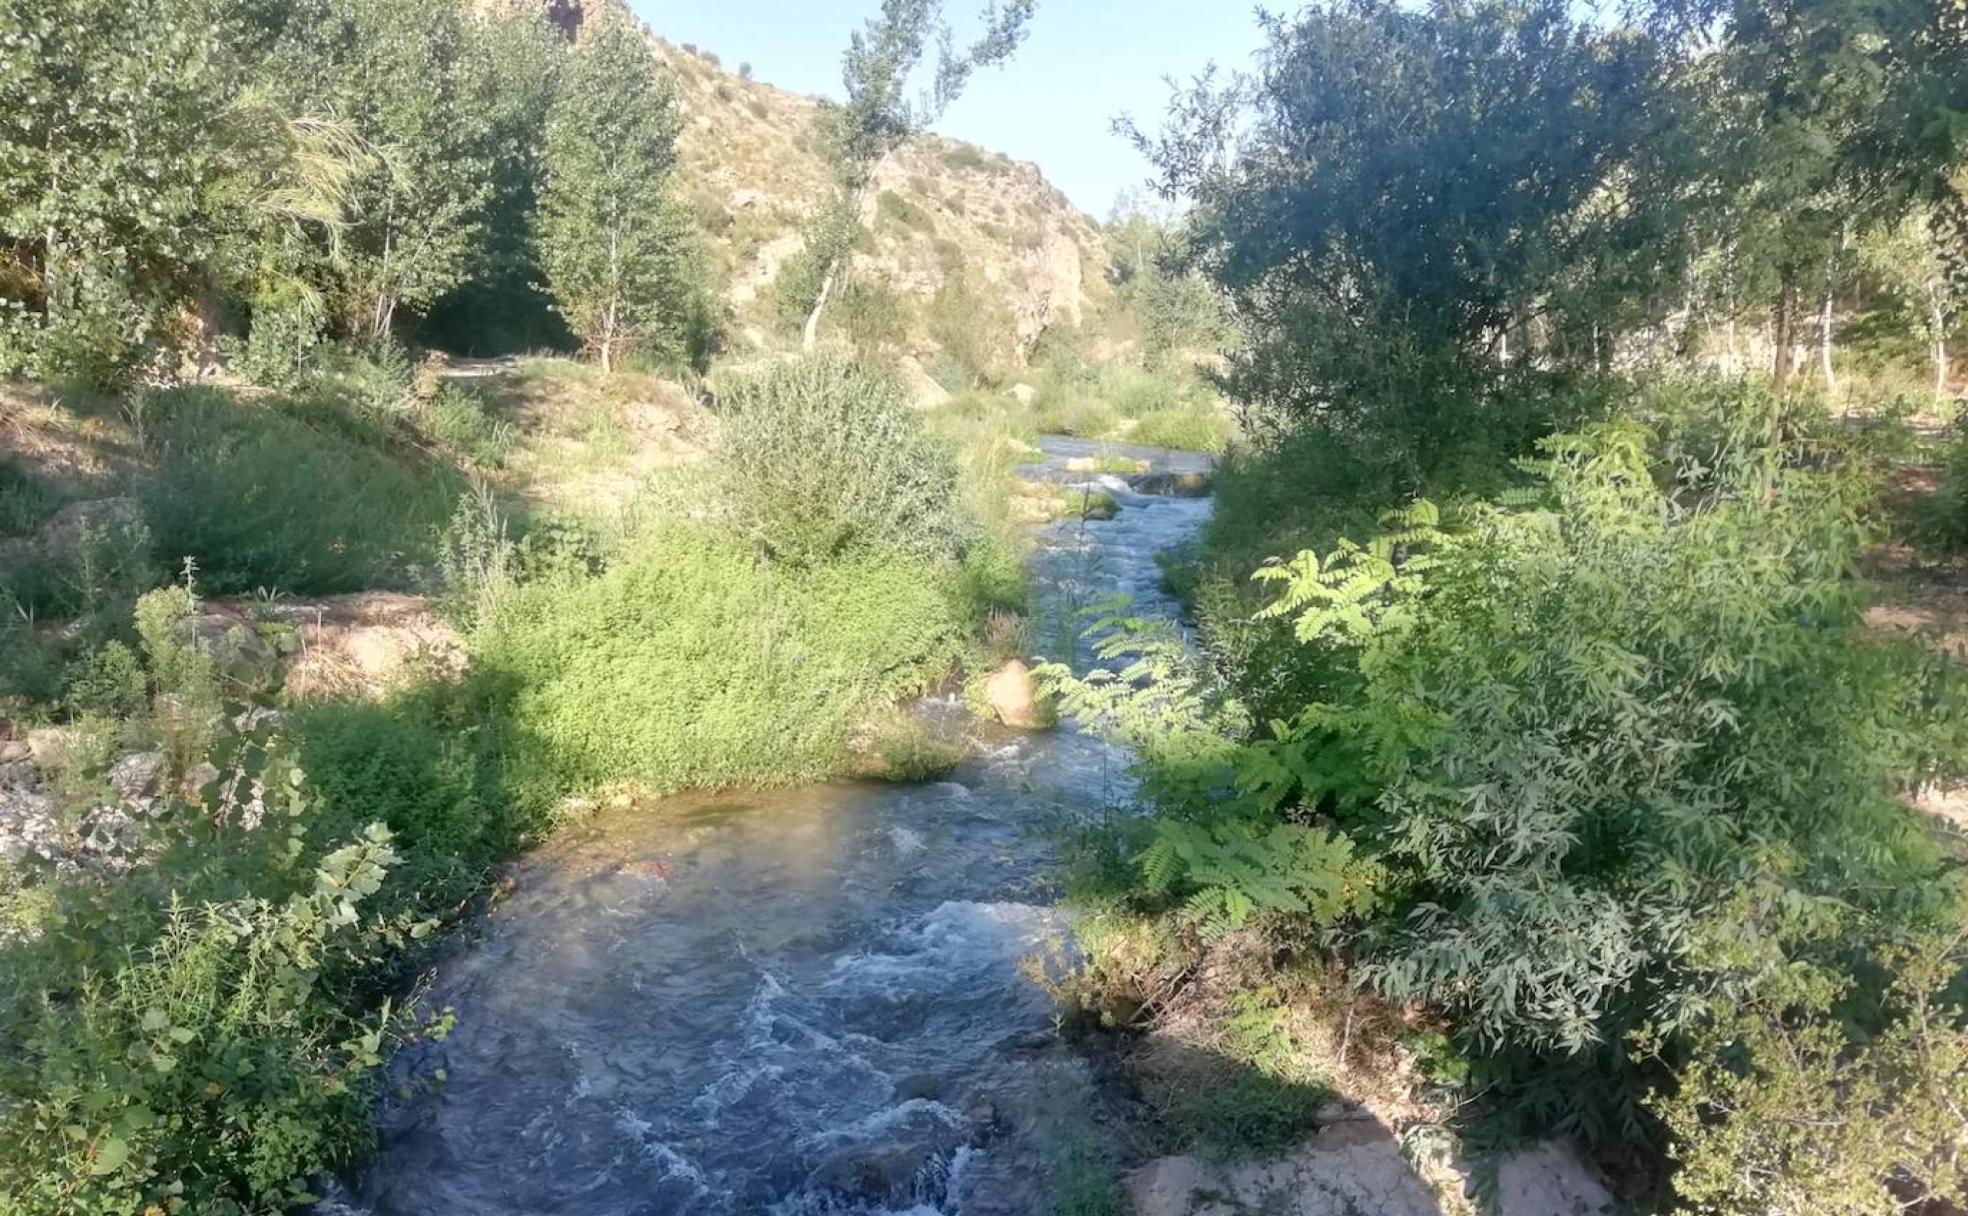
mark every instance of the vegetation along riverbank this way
{"type": "Point", "coordinates": [427, 421]}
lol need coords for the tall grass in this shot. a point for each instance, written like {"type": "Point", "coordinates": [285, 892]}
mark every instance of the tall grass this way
{"type": "Point", "coordinates": [263, 495]}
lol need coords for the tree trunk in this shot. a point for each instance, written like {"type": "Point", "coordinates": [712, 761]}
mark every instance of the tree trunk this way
{"type": "Point", "coordinates": [810, 333]}
{"type": "Point", "coordinates": [1782, 321]}
{"type": "Point", "coordinates": [610, 317]}
{"type": "Point", "coordinates": [1824, 342]}
{"type": "Point", "coordinates": [1937, 325]}
{"type": "Point", "coordinates": [380, 321]}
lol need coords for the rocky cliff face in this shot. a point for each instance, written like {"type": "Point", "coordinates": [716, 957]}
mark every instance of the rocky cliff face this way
{"type": "Point", "coordinates": [753, 172]}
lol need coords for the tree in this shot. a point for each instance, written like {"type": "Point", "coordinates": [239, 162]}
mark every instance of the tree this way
{"type": "Point", "coordinates": [880, 114]}
{"type": "Point", "coordinates": [397, 70]}
{"type": "Point", "coordinates": [146, 172]}
{"type": "Point", "coordinates": [1406, 190]}
{"type": "Point", "coordinates": [104, 166]}
{"type": "Point", "coordinates": [1910, 262]}
{"type": "Point", "coordinates": [512, 70]}
{"type": "Point", "coordinates": [610, 242]}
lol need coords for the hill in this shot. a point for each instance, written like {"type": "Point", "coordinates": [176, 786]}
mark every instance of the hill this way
{"type": "Point", "coordinates": [950, 228]}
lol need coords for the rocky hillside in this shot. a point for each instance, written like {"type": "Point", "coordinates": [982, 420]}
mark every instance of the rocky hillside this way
{"type": "Point", "coordinates": [752, 172]}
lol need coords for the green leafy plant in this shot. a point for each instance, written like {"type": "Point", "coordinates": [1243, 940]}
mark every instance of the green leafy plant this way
{"type": "Point", "coordinates": [203, 1071]}
{"type": "Point", "coordinates": [817, 458]}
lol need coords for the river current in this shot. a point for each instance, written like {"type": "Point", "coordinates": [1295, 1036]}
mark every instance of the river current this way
{"type": "Point", "coordinates": [795, 1002]}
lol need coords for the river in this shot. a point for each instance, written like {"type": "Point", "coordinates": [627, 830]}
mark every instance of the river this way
{"type": "Point", "coordinates": [792, 1002]}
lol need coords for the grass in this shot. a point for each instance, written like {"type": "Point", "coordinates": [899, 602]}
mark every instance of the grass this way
{"type": "Point", "coordinates": [1168, 409]}
{"type": "Point", "coordinates": [906, 749]}
{"type": "Point", "coordinates": [693, 665]}
{"type": "Point", "coordinates": [260, 494]}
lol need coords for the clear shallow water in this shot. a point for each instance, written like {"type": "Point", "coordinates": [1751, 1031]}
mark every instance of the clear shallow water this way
{"type": "Point", "coordinates": [793, 1002]}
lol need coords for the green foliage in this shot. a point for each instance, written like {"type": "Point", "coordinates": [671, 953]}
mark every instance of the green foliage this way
{"type": "Point", "coordinates": [1569, 727]}
{"type": "Point", "coordinates": [692, 664]}
{"type": "Point", "coordinates": [415, 760]}
{"type": "Point", "coordinates": [1184, 429]}
{"type": "Point", "coordinates": [287, 325]}
{"type": "Point", "coordinates": [108, 176]}
{"type": "Point", "coordinates": [108, 682]}
{"type": "Point", "coordinates": [970, 328]}
{"type": "Point", "coordinates": [400, 72]}
{"type": "Point", "coordinates": [92, 567]}
{"type": "Point", "coordinates": [1786, 1104]}
{"type": "Point", "coordinates": [609, 239]}
{"type": "Point", "coordinates": [240, 487]}
{"type": "Point", "coordinates": [874, 319]}
{"type": "Point", "coordinates": [25, 499]}
{"type": "Point", "coordinates": [909, 749]}
{"type": "Point", "coordinates": [1223, 874]}
{"type": "Point", "coordinates": [458, 418]}
{"type": "Point", "coordinates": [818, 458]}
{"type": "Point", "coordinates": [203, 1070]}
{"type": "Point", "coordinates": [892, 208]}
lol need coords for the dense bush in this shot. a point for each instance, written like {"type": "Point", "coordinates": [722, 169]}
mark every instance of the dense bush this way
{"type": "Point", "coordinates": [1561, 732]}
{"type": "Point", "coordinates": [203, 1071]}
{"type": "Point", "coordinates": [692, 663]}
{"type": "Point", "coordinates": [260, 496]}
{"type": "Point", "coordinates": [817, 458]}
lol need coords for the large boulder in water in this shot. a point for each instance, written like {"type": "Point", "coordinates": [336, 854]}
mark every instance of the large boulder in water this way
{"type": "Point", "coordinates": [1012, 694]}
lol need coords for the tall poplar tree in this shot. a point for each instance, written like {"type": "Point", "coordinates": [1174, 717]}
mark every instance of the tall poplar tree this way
{"type": "Point", "coordinates": [610, 243]}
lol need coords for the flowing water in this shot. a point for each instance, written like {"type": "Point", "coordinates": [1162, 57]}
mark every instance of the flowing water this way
{"type": "Point", "coordinates": [792, 1001]}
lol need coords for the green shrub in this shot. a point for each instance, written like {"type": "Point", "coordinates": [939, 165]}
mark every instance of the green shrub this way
{"type": "Point", "coordinates": [416, 761]}
{"type": "Point", "coordinates": [893, 208]}
{"type": "Point", "coordinates": [92, 565]}
{"type": "Point", "coordinates": [25, 499]}
{"type": "Point", "coordinates": [1557, 732]}
{"type": "Point", "coordinates": [286, 327]}
{"type": "Point", "coordinates": [908, 749]}
{"type": "Point", "coordinates": [1185, 428]}
{"type": "Point", "coordinates": [260, 497]}
{"type": "Point", "coordinates": [1571, 726]}
{"type": "Point", "coordinates": [817, 458]}
{"type": "Point", "coordinates": [207, 1068]}
{"type": "Point", "coordinates": [872, 316]}
{"type": "Point", "coordinates": [693, 664]}
{"type": "Point", "coordinates": [108, 682]}
{"type": "Point", "coordinates": [1789, 1103]}
{"type": "Point", "coordinates": [458, 419]}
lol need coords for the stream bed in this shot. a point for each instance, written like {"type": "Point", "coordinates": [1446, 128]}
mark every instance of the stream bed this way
{"type": "Point", "coordinates": [793, 1002]}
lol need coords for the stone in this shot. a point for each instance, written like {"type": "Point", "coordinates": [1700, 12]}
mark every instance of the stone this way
{"type": "Point", "coordinates": [46, 745]}
{"type": "Point", "coordinates": [1550, 1180]}
{"type": "Point", "coordinates": [1013, 696]}
{"type": "Point", "coordinates": [135, 775]}
{"type": "Point", "coordinates": [1024, 394]}
{"type": "Point", "coordinates": [1172, 485]}
{"type": "Point", "coordinates": [1354, 1166]}
{"type": "Point", "coordinates": [905, 1157]}
{"type": "Point", "coordinates": [1350, 1169]}
{"type": "Point", "coordinates": [1095, 464]}
{"type": "Point", "coordinates": [14, 750]}
{"type": "Point", "coordinates": [195, 781]}
{"type": "Point", "coordinates": [1341, 1111]}
{"type": "Point", "coordinates": [924, 392]}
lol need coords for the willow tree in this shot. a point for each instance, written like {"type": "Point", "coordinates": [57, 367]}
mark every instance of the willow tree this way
{"type": "Point", "coordinates": [883, 110]}
{"type": "Point", "coordinates": [608, 238]}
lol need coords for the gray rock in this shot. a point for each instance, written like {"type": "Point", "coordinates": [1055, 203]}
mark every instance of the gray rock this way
{"type": "Point", "coordinates": [136, 775]}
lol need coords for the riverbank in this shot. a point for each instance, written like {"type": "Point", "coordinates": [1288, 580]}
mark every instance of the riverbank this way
{"type": "Point", "coordinates": [785, 1000]}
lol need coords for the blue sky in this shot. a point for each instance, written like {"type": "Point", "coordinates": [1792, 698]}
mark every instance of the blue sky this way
{"type": "Point", "coordinates": [1084, 63]}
